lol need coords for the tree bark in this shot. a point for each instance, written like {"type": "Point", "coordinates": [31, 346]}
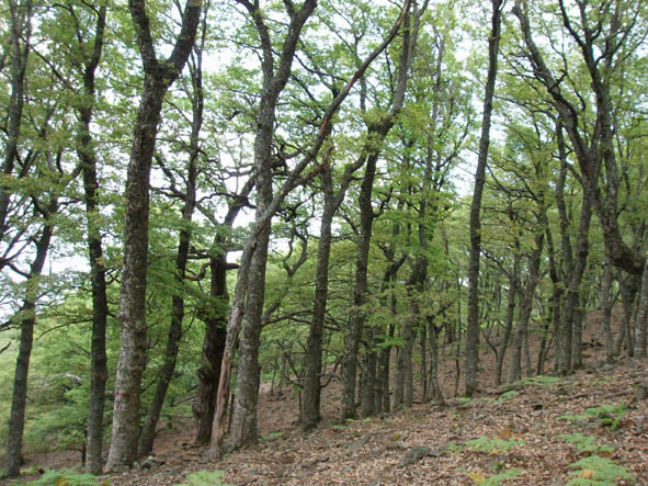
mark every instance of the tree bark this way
{"type": "Point", "coordinates": [27, 318]}
{"type": "Point", "coordinates": [526, 306]}
{"type": "Point", "coordinates": [472, 330]}
{"type": "Point", "coordinates": [212, 354]}
{"type": "Point", "coordinates": [147, 435]}
{"type": "Point", "coordinates": [158, 77]}
{"type": "Point", "coordinates": [87, 156]}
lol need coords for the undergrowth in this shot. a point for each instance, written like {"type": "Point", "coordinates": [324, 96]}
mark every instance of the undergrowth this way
{"type": "Point", "coordinates": [609, 415]}
{"type": "Point", "coordinates": [598, 471]}
{"type": "Point", "coordinates": [205, 478]}
{"type": "Point", "coordinates": [66, 477]}
{"type": "Point", "coordinates": [491, 446]}
{"type": "Point", "coordinates": [587, 443]}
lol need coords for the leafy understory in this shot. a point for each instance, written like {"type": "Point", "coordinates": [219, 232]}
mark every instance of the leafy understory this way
{"type": "Point", "coordinates": [587, 444]}
{"type": "Point", "coordinates": [205, 478]}
{"type": "Point", "coordinates": [482, 480]}
{"type": "Point", "coordinates": [67, 477]}
{"type": "Point", "coordinates": [598, 471]}
{"type": "Point", "coordinates": [608, 415]}
{"type": "Point", "coordinates": [492, 446]}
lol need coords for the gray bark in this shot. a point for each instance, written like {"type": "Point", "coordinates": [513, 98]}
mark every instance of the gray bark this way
{"type": "Point", "coordinates": [472, 329]}
{"type": "Point", "coordinates": [158, 77]}
{"type": "Point", "coordinates": [26, 316]}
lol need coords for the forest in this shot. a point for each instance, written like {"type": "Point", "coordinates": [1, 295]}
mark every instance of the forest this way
{"type": "Point", "coordinates": [334, 242]}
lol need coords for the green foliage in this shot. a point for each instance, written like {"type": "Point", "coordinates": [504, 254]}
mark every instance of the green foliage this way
{"type": "Point", "coordinates": [598, 471]}
{"type": "Point", "coordinates": [205, 478]}
{"type": "Point", "coordinates": [540, 380]}
{"type": "Point", "coordinates": [497, 479]}
{"type": "Point", "coordinates": [68, 477]}
{"type": "Point", "coordinates": [507, 396]}
{"type": "Point", "coordinates": [609, 415]}
{"type": "Point", "coordinates": [586, 443]}
{"type": "Point", "coordinates": [491, 446]}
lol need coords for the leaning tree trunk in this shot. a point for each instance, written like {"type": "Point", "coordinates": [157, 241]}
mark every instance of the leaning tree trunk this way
{"type": "Point", "coordinates": [472, 330]}
{"type": "Point", "coordinates": [27, 318]}
{"type": "Point", "coordinates": [158, 78]}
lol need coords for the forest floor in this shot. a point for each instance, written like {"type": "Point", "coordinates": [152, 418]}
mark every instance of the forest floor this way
{"type": "Point", "coordinates": [583, 428]}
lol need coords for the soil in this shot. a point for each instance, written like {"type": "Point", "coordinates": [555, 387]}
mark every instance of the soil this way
{"type": "Point", "coordinates": [426, 444]}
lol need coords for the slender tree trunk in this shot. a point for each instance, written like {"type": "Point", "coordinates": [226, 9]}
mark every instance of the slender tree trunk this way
{"type": "Point", "coordinates": [472, 331]}
{"type": "Point", "coordinates": [98, 359]}
{"type": "Point", "coordinates": [526, 306]}
{"type": "Point", "coordinates": [27, 318]}
{"type": "Point", "coordinates": [213, 349]}
{"type": "Point", "coordinates": [514, 290]}
{"type": "Point", "coordinates": [132, 355]}
{"type": "Point", "coordinates": [628, 286]}
{"type": "Point", "coordinates": [147, 435]}
{"type": "Point", "coordinates": [435, 392]}
{"type": "Point", "coordinates": [606, 310]}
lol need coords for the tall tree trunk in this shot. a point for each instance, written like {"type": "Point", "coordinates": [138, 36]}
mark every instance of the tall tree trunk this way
{"type": "Point", "coordinates": [526, 306]}
{"type": "Point", "coordinates": [212, 353]}
{"type": "Point", "coordinates": [273, 85]}
{"type": "Point", "coordinates": [628, 286]}
{"type": "Point", "coordinates": [27, 318]}
{"type": "Point", "coordinates": [147, 435]}
{"type": "Point", "coordinates": [132, 355]}
{"type": "Point", "coordinates": [606, 310]}
{"type": "Point", "coordinates": [87, 156]}
{"type": "Point", "coordinates": [472, 330]}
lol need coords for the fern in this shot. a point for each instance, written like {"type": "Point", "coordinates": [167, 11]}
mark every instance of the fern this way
{"type": "Point", "coordinates": [587, 443]}
{"type": "Point", "coordinates": [68, 477]}
{"type": "Point", "coordinates": [498, 478]}
{"type": "Point", "coordinates": [607, 415]}
{"type": "Point", "coordinates": [491, 446]}
{"type": "Point", "coordinates": [507, 396]}
{"type": "Point", "coordinates": [598, 471]}
{"type": "Point", "coordinates": [205, 478]}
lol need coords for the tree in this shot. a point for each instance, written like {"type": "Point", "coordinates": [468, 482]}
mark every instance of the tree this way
{"type": "Point", "coordinates": [472, 330]}
{"type": "Point", "coordinates": [158, 77]}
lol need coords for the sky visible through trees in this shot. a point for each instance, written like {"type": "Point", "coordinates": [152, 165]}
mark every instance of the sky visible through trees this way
{"type": "Point", "coordinates": [202, 198]}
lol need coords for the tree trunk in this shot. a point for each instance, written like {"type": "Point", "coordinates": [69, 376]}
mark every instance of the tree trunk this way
{"type": "Point", "coordinates": [526, 306]}
{"type": "Point", "coordinates": [606, 310]}
{"type": "Point", "coordinates": [514, 290]}
{"type": "Point", "coordinates": [472, 331]}
{"type": "Point", "coordinates": [147, 435]}
{"type": "Point", "coordinates": [98, 359]}
{"type": "Point", "coordinates": [642, 318]}
{"type": "Point", "coordinates": [27, 318]}
{"type": "Point", "coordinates": [213, 349]}
{"type": "Point", "coordinates": [132, 355]}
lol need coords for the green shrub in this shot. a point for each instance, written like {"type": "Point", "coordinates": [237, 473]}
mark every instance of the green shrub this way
{"type": "Point", "coordinates": [205, 478]}
{"type": "Point", "coordinates": [586, 443]}
{"type": "Point", "coordinates": [609, 415]}
{"type": "Point", "coordinates": [68, 477]}
{"type": "Point", "coordinates": [598, 471]}
{"type": "Point", "coordinates": [491, 446]}
{"type": "Point", "coordinates": [498, 478]}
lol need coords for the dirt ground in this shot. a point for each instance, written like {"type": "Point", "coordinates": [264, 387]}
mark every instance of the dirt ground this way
{"type": "Point", "coordinates": [518, 430]}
